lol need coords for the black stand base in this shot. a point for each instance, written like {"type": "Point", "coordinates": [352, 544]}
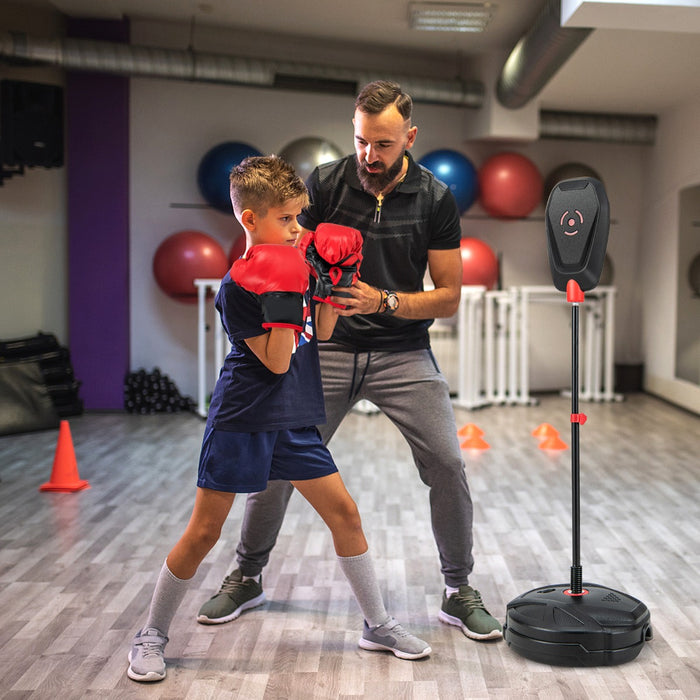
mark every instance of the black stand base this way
{"type": "Point", "coordinates": [601, 628]}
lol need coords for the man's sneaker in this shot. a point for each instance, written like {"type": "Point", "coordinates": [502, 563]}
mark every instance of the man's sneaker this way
{"type": "Point", "coordinates": [146, 662]}
{"type": "Point", "coordinates": [234, 596]}
{"type": "Point", "coordinates": [466, 610]}
{"type": "Point", "coordinates": [392, 637]}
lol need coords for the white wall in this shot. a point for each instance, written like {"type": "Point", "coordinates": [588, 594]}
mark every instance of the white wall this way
{"type": "Point", "coordinates": [674, 164]}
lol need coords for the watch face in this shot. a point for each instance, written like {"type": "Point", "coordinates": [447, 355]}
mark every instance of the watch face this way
{"type": "Point", "coordinates": [392, 302]}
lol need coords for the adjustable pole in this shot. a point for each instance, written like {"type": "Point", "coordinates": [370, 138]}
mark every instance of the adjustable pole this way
{"type": "Point", "coordinates": [575, 296]}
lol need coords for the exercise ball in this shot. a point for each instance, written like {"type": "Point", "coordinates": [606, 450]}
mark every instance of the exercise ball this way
{"type": "Point", "coordinates": [479, 263]}
{"type": "Point", "coordinates": [184, 257]}
{"type": "Point", "coordinates": [566, 171]}
{"type": "Point", "coordinates": [457, 172]}
{"type": "Point", "coordinates": [308, 152]}
{"type": "Point", "coordinates": [214, 170]}
{"type": "Point", "coordinates": [237, 249]}
{"type": "Point", "coordinates": [510, 185]}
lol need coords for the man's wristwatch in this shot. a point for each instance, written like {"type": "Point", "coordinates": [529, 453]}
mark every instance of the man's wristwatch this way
{"type": "Point", "coordinates": [391, 302]}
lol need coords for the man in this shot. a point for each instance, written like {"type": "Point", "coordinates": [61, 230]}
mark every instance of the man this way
{"type": "Point", "coordinates": [380, 350]}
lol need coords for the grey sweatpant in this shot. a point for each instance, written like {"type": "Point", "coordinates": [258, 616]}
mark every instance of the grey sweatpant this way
{"type": "Point", "coordinates": [409, 388]}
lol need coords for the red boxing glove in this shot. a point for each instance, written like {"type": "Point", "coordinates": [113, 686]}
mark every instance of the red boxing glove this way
{"type": "Point", "coordinates": [278, 275]}
{"type": "Point", "coordinates": [334, 254]}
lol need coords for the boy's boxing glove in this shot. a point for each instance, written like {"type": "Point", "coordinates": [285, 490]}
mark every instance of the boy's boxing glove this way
{"type": "Point", "coordinates": [334, 254]}
{"type": "Point", "coordinates": [278, 275]}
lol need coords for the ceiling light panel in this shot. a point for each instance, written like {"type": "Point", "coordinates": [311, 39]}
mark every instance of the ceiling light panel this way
{"type": "Point", "coordinates": [450, 17]}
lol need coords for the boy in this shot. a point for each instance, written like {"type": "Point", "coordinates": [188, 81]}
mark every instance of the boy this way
{"type": "Point", "coordinates": [264, 409]}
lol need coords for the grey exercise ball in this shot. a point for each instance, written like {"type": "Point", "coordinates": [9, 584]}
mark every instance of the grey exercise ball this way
{"type": "Point", "coordinates": [308, 152]}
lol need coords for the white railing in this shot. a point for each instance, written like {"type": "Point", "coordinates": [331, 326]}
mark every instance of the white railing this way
{"type": "Point", "coordinates": [221, 344]}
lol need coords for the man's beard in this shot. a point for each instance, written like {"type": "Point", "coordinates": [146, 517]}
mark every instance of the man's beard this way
{"type": "Point", "coordinates": [376, 182]}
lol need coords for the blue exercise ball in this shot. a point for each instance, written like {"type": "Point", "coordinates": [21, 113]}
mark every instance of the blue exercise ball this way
{"type": "Point", "coordinates": [457, 172]}
{"type": "Point", "coordinates": [214, 169]}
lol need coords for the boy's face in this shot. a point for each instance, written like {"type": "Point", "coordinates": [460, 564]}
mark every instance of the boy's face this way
{"type": "Point", "coordinates": [278, 226]}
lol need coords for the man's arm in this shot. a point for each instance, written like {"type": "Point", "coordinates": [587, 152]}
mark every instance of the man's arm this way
{"type": "Point", "coordinates": [445, 268]}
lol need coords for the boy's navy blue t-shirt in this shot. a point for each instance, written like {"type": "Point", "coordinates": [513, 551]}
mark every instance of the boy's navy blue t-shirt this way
{"type": "Point", "coordinates": [248, 397]}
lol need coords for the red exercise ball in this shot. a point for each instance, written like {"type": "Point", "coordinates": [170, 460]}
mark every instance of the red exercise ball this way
{"type": "Point", "coordinates": [479, 263]}
{"type": "Point", "coordinates": [184, 257]}
{"type": "Point", "coordinates": [237, 249]}
{"type": "Point", "coordinates": [510, 185]}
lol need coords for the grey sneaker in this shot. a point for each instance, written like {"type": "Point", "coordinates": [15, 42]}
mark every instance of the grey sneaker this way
{"type": "Point", "coordinates": [466, 610]}
{"type": "Point", "coordinates": [146, 662]}
{"type": "Point", "coordinates": [234, 596]}
{"type": "Point", "coordinates": [392, 637]}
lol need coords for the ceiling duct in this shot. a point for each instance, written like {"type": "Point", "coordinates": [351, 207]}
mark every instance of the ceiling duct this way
{"type": "Point", "coordinates": [586, 126]}
{"type": "Point", "coordinates": [146, 61]}
{"type": "Point", "coordinates": [539, 54]}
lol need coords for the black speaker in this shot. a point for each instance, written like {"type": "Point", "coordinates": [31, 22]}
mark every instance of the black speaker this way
{"type": "Point", "coordinates": [31, 124]}
{"type": "Point", "coordinates": [577, 222]}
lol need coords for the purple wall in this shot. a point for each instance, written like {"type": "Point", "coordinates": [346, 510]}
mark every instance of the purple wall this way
{"type": "Point", "coordinates": [97, 150]}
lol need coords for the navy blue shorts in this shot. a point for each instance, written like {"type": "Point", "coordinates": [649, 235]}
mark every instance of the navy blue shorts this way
{"type": "Point", "coordinates": [244, 462]}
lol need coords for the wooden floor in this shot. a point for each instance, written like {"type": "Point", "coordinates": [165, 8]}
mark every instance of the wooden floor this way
{"type": "Point", "coordinates": [76, 570]}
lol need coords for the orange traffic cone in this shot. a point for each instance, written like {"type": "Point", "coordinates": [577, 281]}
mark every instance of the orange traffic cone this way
{"type": "Point", "coordinates": [545, 430]}
{"type": "Point", "coordinates": [475, 443]}
{"type": "Point", "coordinates": [553, 443]}
{"type": "Point", "coordinates": [64, 475]}
{"type": "Point", "coordinates": [470, 430]}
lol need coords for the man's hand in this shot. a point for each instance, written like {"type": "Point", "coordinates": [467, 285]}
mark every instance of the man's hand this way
{"type": "Point", "coordinates": [358, 299]}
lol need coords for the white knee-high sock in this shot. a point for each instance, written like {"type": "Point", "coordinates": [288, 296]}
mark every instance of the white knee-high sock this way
{"type": "Point", "coordinates": [167, 596]}
{"type": "Point", "coordinates": [359, 571]}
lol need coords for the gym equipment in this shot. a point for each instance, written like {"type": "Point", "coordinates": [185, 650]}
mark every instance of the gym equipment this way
{"type": "Point", "coordinates": [184, 256]}
{"type": "Point", "coordinates": [457, 172]}
{"type": "Point", "coordinates": [566, 171]}
{"type": "Point", "coordinates": [495, 349]}
{"type": "Point", "coordinates": [64, 473]}
{"type": "Point", "coordinates": [37, 384]}
{"type": "Point", "coordinates": [208, 318]}
{"type": "Point", "coordinates": [309, 152]}
{"type": "Point", "coordinates": [25, 404]}
{"type": "Point", "coordinates": [214, 170]}
{"type": "Point", "coordinates": [479, 263]}
{"type": "Point", "coordinates": [580, 624]}
{"type": "Point", "coordinates": [470, 315]}
{"type": "Point", "coordinates": [510, 185]}
{"type": "Point", "coordinates": [148, 393]}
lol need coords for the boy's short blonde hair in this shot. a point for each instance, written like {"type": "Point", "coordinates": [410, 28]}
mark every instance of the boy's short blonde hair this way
{"type": "Point", "coordinates": [260, 182]}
